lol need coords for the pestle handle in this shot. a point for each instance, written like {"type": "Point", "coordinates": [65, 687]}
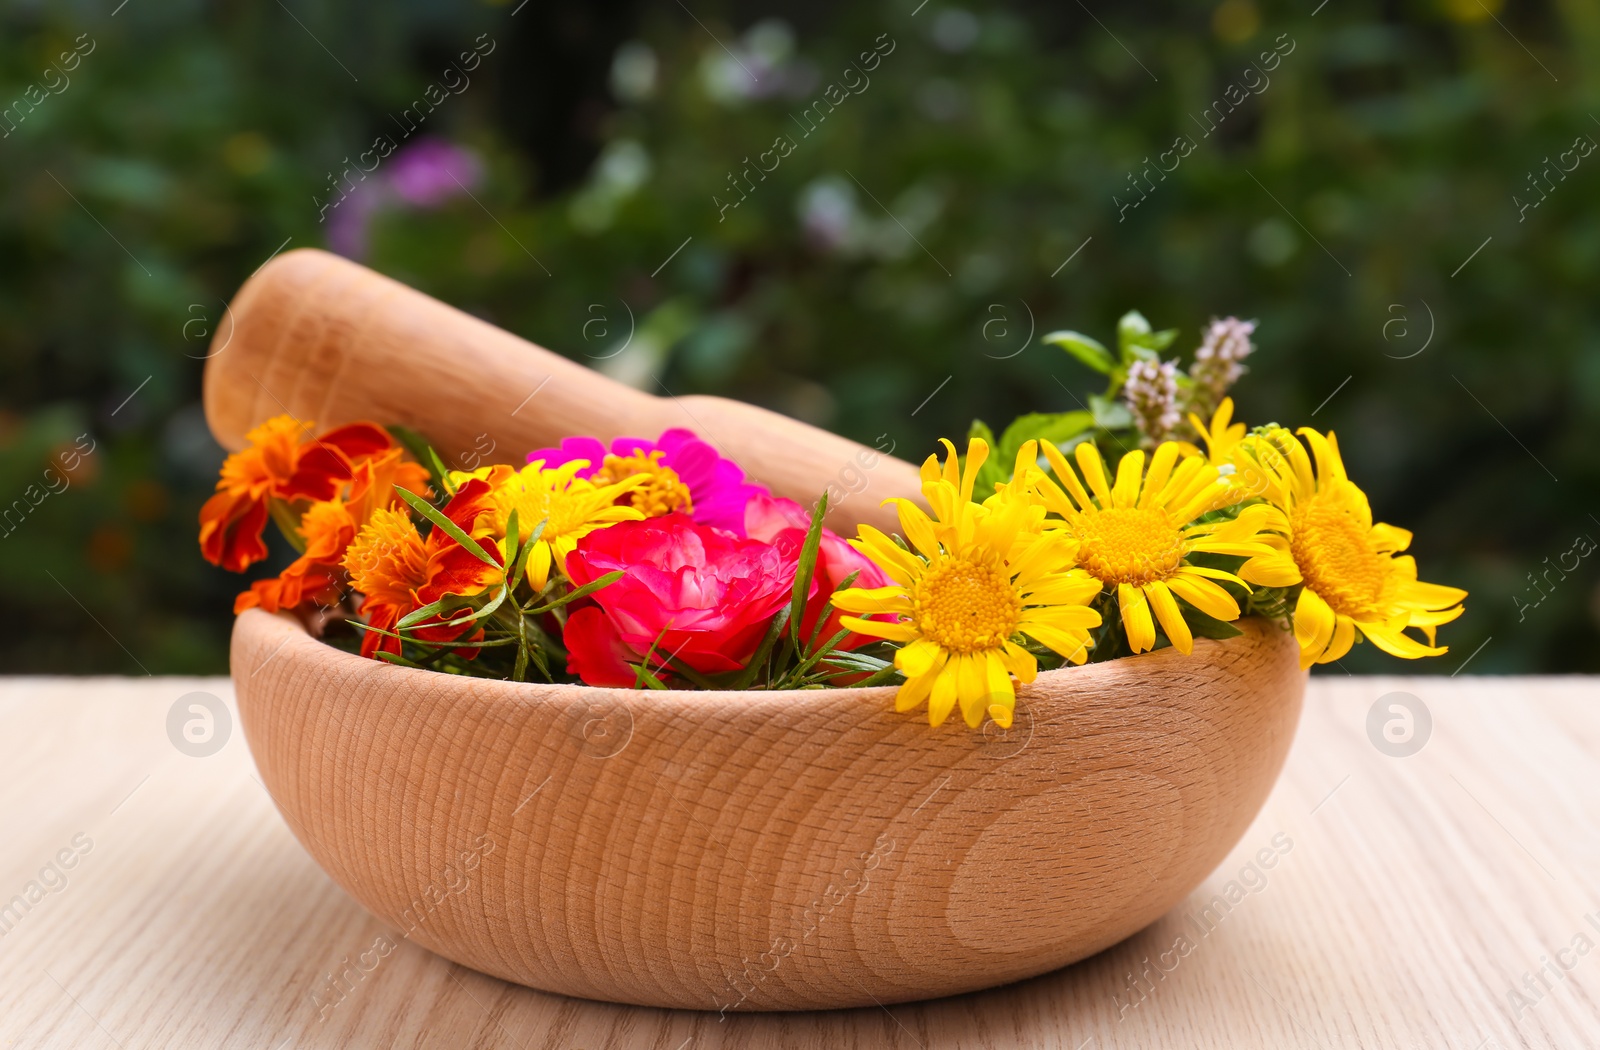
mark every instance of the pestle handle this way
{"type": "Point", "coordinates": [329, 341]}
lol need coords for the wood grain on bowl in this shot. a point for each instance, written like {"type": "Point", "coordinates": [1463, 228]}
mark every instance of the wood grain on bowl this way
{"type": "Point", "coordinates": [762, 851]}
{"type": "Point", "coordinates": [330, 341]}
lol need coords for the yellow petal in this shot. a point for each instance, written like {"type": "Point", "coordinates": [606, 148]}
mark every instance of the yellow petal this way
{"type": "Point", "coordinates": [1136, 621]}
{"type": "Point", "coordinates": [1068, 477]}
{"type": "Point", "coordinates": [1130, 471]}
{"type": "Point", "coordinates": [918, 658]}
{"type": "Point", "coordinates": [1094, 472]}
{"type": "Point", "coordinates": [539, 566]}
{"type": "Point", "coordinates": [1002, 695]}
{"type": "Point", "coordinates": [888, 631]}
{"type": "Point", "coordinates": [1271, 570]}
{"type": "Point", "coordinates": [918, 529]}
{"type": "Point", "coordinates": [1313, 626]}
{"type": "Point", "coordinates": [1204, 595]}
{"type": "Point", "coordinates": [1171, 617]}
{"type": "Point", "coordinates": [943, 698]}
{"type": "Point", "coordinates": [1161, 464]}
{"type": "Point", "coordinates": [1344, 636]}
{"type": "Point", "coordinates": [1398, 644]}
{"type": "Point", "coordinates": [915, 690]}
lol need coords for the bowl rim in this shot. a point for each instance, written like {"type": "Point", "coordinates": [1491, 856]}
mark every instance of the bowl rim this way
{"type": "Point", "coordinates": [1080, 679]}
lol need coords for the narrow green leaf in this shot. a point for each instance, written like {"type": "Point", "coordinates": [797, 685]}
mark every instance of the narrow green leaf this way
{"type": "Point", "coordinates": [879, 678]}
{"type": "Point", "coordinates": [441, 472]}
{"type": "Point", "coordinates": [288, 522]}
{"type": "Point", "coordinates": [644, 679]}
{"type": "Point", "coordinates": [451, 529]}
{"type": "Point", "coordinates": [423, 453]}
{"type": "Point", "coordinates": [806, 569]}
{"type": "Point", "coordinates": [816, 657]}
{"type": "Point", "coordinates": [579, 592]}
{"type": "Point", "coordinates": [827, 610]}
{"type": "Point", "coordinates": [416, 616]}
{"type": "Point", "coordinates": [519, 670]}
{"type": "Point", "coordinates": [692, 675]}
{"type": "Point", "coordinates": [774, 631]}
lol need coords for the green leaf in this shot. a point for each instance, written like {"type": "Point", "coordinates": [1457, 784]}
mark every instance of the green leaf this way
{"type": "Point", "coordinates": [1159, 340]}
{"type": "Point", "coordinates": [806, 569]}
{"type": "Point", "coordinates": [1055, 427]}
{"type": "Point", "coordinates": [1202, 625]}
{"type": "Point", "coordinates": [423, 453]}
{"type": "Point", "coordinates": [416, 616]}
{"type": "Point", "coordinates": [288, 523]}
{"type": "Point", "coordinates": [580, 592]}
{"type": "Point", "coordinates": [1109, 414]}
{"type": "Point", "coordinates": [695, 677]}
{"type": "Point", "coordinates": [519, 670]}
{"type": "Point", "coordinates": [451, 529]}
{"type": "Point", "coordinates": [644, 679]}
{"type": "Point", "coordinates": [1087, 350]}
{"type": "Point", "coordinates": [827, 609]}
{"type": "Point", "coordinates": [450, 603]}
{"type": "Point", "coordinates": [881, 677]}
{"type": "Point", "coordinates": [774, 632]}
{"type": "Point", "coordinates": [1131, 327]}
{"type": "Point", "coordinates": [816, 657]}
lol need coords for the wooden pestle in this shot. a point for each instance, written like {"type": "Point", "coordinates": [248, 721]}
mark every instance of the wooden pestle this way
{"type": "Point", "coordinates": [330, 342]}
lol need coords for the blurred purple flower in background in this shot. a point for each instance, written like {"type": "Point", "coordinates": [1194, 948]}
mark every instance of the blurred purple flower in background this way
{"type": "Point", "coordinates": [430, 171]}
{"type": "Point", "coordinates": [423, 174]}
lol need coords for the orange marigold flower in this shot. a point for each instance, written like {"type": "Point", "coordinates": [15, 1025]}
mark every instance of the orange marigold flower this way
{"type": "Point", "coordinates": [399, 571]}
{"type": "Point", "coordinates": [279, 464]}
{"type": "Point", "coordinates": [326, 529]}
{"type": "Point", "coordinates": [316, 575]}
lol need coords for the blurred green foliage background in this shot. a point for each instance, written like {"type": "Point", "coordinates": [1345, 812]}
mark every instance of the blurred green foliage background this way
{"type": "Point", "coordinates": [918, 233]}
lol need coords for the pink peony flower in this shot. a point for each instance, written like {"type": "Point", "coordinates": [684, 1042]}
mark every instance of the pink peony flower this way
{"type": "Point", "coordinates": [716, 486]}
{"type": "Point", "coordinates": [783, 522]}
{"type": "Point", "coordinates": [698, 594]}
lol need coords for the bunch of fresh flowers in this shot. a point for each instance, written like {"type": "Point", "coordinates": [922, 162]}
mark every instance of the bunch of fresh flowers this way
{"type": "Point", "coordinates": [657, 564]}
{"type": "Point", "coordinates": [648, 563]}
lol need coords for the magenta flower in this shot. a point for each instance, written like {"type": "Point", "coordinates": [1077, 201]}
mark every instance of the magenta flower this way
{"type": "Point", "coordinates": [680, 465]}
{"type": "Point", "coordinates": [689, 591]}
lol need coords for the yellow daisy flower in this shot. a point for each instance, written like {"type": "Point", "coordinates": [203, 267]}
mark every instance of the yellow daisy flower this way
{"type": "Point", "coordinates": [976, 580]}
{"type": "Point", "coordinates": [1352, 568]}
{"type": "Point", "coordinates": [1136, 535]}
{"type": "Point", "coordinates": [571, 507]}
{"type": "Point", "coordinates": [1222, 436]}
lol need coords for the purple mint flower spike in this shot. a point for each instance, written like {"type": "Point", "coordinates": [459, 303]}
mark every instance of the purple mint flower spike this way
{"type": "Point", "coordinates": [430, 171]}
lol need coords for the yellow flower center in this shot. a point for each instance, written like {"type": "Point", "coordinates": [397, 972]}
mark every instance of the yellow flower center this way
{"type": "Point", "coordinates": [387, 560]}
{"type": "Point", "coordinates": [1133, 545]}
{"type": "Point", "coordinates": [663, 491]}
{"type": "Point", "coordinates": [1334, 553]}
{"type": "Point", "coordinates": [966, 606]}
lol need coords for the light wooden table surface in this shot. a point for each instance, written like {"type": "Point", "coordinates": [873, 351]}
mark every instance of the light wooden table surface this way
{"type": "Point", "coordinates": [1414, 896]}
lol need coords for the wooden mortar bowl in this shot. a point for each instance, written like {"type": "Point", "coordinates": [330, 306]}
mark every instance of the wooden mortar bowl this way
{"type": "Point", "coordinates": [751, 851]}
{"type": "Point", "coordinates": [765, 851]}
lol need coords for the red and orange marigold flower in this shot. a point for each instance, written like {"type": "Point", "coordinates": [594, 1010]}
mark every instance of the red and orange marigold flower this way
{"type": "Point", "coordinates": [399, 571]}
{"type": "Point", "coordinates": [326, 528]}
{"type": "Point", "coordinates": [283, 463]}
